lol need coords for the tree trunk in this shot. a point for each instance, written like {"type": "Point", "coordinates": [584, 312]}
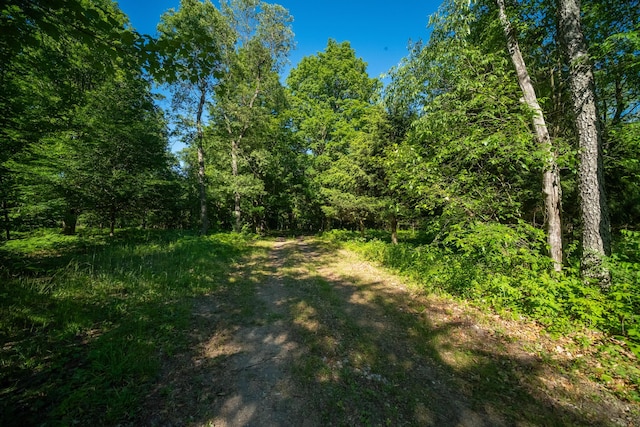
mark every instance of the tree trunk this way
{"type": "Point", "coordinates": [112, 222]}
{"type": "Point", "coordinates": [236, 190]}
{"type": "Point", "coordinates": [69, 222]}
{"type": "Point", "coordinates": [394, 230]}
{"type": "Point", "coordinates": [361, 227]}
{"type": "Point", "coordinates": [204, 219]}
{"type": "Point", "coordinates": [144, 220]}
{"type": "Point", "coordinates": [596, 233]}
{"type": "Point", "coordinates": [7, 223]}
{"type": "Point", "coordinates": [551, 174]}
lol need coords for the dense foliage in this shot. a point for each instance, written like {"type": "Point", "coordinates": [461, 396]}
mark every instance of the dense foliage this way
{"type": "Point", "coordinates": [446, 148]}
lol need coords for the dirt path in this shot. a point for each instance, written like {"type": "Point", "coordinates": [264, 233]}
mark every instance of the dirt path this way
{"type": "Point", "coordinates": [305, 335]}
{"type": "Point", "coordinates": [260, 386]}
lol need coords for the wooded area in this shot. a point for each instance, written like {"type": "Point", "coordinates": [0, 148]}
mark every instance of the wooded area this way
{"type": "Point", "coordinates": [509, 142]}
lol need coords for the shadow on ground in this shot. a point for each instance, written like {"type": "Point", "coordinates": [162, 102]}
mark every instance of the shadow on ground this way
{"type": "Point", "coordinates": [85, 325]}
{"type": "Point", "coordinates": [291, 339]}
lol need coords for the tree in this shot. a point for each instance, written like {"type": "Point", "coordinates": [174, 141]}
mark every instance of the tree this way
{"type": "Point", "coordinates": [51, 54]}
{"type": "Point", "coordinates": [192, 43]}
{"type": "Point", "coordinates": [594, 212]}
{"type": "Point", "coordinates": [250, 92]}
{"type": "Point", "coordinates": [550, 174]}
{"type": "Point", "coordinates": [611, 30]}
{"type": "Point", "coordinates": [335, 115]}
{"type": "Point", "coordinates": [104, 164]}
{"type": "Point", "coordinates": [469, 156]}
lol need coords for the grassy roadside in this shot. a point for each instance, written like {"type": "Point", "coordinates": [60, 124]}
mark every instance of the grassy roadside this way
{"type": "Point", "coordinates": [84, 320]}
{"type": "Point", "coordinates": [568, 342]}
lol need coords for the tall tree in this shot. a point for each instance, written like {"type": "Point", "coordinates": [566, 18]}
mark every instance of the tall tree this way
{"type": "Point", "coordinates": [192, 43]}
{"type": "Point", "coordinates": [551, 173]}
{"type": "Point", "coordinates": [108, 161]}
{"type": "Point", "coordinates": [51, 54]}
{"type": "Point", "coordinates": [335, 114]}
{"type": "Point", "coordinates": [33, 46]}
{"type": "Point", "coordinates": [612, 33]}
{"type": "Point", "coordinates": [245, 101]}
{"type": "Point", "coordinates": [470, 156]}
{"type": "Point", "coordinates": [596, 234]}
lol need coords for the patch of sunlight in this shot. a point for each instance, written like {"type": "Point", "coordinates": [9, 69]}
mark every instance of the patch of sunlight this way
{"type": "Point", "coordinates": [262, 243]}
{"type": "Point", "coordinates": [408, 365]}
{"type": "Point", "coordinates": [423, 415]}
{"type": "Point", "coordinates": [278, 340]}
{"type": "Point", "coordinates": [459, 360]}
{"type": "Point", "coordinates": [73, 328]}
{"type": "Point", "coordinates": [359, 298]}
{"type": "Point", "coordinates": [236, 411]}
{"type": "Point", "coordinates": [219, 346]}
{"type": "Point", "coordinates": [325, 375]}
{"type": "Point", "coordinates": [363, 357]}
{"type": "Point", "coordinates": [304, 317]}
{"type": "Point", "coordinates": [328, 344]}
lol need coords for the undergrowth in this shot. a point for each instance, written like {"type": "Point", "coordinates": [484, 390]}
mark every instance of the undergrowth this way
{"type": "Point", "coordinates": [505, 267]}
{"type": "Point", "coordinates": [86, 319]}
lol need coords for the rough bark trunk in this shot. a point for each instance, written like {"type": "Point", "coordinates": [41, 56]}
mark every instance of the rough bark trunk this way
{"type": "Point", "coordinates": [394, 230]}
{"type": "Point", "coordinates": [551, 174]}
{"type": "Point", "coordinates": [7, 223]}
{"type": "Point", "coordinates": [236, 191]}
{"type": "Point", "coordinates": [144, 220]}
{"type": "Point", "coordinates": [204, 218]}
{"type": "Point", "coordinates": [69, 222]}
{"type": "Point", "coordinates": [620, 104]}
{"type": "Point", "coordinates": [235, 151]}
{"type": "Point", "coordinates": [596, 234]}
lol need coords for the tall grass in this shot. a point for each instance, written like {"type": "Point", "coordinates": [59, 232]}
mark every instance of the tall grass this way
{"type": "Point", "coordinates": [85, 319]}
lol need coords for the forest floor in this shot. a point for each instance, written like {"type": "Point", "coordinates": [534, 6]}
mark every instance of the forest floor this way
{"type": "Point", "coordinates": [308, 334]}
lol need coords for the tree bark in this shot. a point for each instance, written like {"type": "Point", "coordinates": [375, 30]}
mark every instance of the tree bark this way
{"type": "Point", "coordinates": [7, 223]}
{"type": "Point", "coordinates": [69, 222]}
{"type": "Point", "coordinates": [144, 220]}
{"type": "Point", "coordinates": [394, 230]}
{"type": "Point", "coordinates": [236, 193]}
{"type": "Point", "coordinates": [596, 233]}
{"type": "Point", "coordinates": [112, 222]}
{"type": "Point", "coordinates": [235, 150]}
{"type": "Point", "coordinates": [551, 173]}
{"type": "Point", "coordinates": [204, 218]}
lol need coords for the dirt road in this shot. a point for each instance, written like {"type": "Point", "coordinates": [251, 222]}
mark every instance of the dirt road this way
{"type": "Point", "coordinates": [303, 334]}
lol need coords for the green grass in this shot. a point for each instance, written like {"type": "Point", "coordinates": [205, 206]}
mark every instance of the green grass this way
{"type": "Point", "coordinates": [505, 269]}
{"type": "Point", "coordinates": [85, 320]}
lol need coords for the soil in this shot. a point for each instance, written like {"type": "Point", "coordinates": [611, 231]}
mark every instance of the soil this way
{"type": "Point", "coordinates": [304, 334]}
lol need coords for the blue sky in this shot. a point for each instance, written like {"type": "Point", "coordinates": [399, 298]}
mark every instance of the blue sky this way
{"type": "Point", "coordinates": [377, 30]}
